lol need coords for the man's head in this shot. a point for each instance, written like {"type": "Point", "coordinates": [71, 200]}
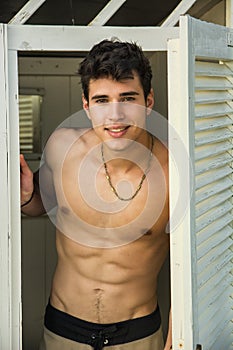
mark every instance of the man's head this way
{"type": "Point", "coordinates": [116, 60]}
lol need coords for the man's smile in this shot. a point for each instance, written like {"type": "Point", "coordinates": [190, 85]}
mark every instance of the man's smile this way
{"type": "Point", "coordinates": [117, 130]}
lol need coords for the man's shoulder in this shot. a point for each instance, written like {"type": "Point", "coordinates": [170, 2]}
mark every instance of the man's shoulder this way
{"type": "Point", "coordinates": [64, 134]}
{"type": "Point", "coordinates": [61, 141]}
{"type": "Point", "coordinates": [65, 137]}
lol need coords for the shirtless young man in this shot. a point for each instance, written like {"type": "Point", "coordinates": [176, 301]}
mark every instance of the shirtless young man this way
{"type": "Point", "coordinates": [111, 239]}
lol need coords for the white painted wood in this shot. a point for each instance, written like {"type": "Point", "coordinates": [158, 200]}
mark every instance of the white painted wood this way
{"type": "Point", "coordinates": [214, 226]}
{"type": "Point", "coordinates": [216, 199]}
{"type": "Point", "coordinates": [212, 123]}
{"type": "Point", "coordinates": [107, 12]}
{"type": "Point", "coordinates": [176, 235]}
{"type": "Point", "coordinates": [72, 38]}
{"type": "Point", "coordinates": [10, 291]}
{"type": "Point", "coordinates": [207, 297]}
{"type": "Point", "coordinates": [181, 297]}
{"type": "Point", "coordinates": [229, 13]}
{"type": "Point", "coordinates": [211, 163]}
{"type": "Point", "coordinates": [181, 9]}
{"type": "Point", "coordinates": [213, 286]}
{"type": "Point", "coordinates": [202, 114]}
{"type": "Point", "coordinates": [212, 83]}
{"type": "Point", "coordinates": [211, 149]}
{"type": "Point", "coordinates": [219, 36]}
{"type": "Point", "coordinates": [210, 137]}
{"type": "Point", "coordinates": [216, 174]}
{"type": "Point", "coordinates": [207, 253]}
{"type": "Point", "coordinates": [220, 344]}
{"type": "Point", "coordinates": [5, 290]}
{"type": "Point", "coordinates": [41, 66]}
{"type": "Point", "coordinates": [216, 110]}
{"type": "Point", "coordinates": [212, 96]}
{"type": "Point", "coordinates": [26, 11]}
{"type": "Point", "coordinates": [212, 69]}
{"type": "Point", "coordinates": [14, 204]}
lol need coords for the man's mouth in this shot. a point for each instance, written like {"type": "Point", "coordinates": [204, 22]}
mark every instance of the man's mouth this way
{"type": "Point", "coordinates": [117, 131]}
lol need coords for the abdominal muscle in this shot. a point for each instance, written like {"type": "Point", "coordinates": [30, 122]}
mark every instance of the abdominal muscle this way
{"type": "Point", "coordinates": [108, 285]}
{"type": "Point", "coordinates": [113, 279]}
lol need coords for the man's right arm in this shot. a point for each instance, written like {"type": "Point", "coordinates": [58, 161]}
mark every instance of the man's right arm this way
{"type": "Point", "coordinates": [31, 201]}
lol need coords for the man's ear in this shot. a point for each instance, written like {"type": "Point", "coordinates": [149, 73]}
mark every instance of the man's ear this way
{"type": "Point", "coordinates": [86, 106]}
{"type": "Point", "coordinates": [150, 102]}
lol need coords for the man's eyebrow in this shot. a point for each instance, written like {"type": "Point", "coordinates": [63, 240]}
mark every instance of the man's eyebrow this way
{"type": "Point", "coordinates": [95, 97]}
{"type": "Point", "coordinates": [126, 93]}
{"type": "Point", "coordinates": [129, 93]}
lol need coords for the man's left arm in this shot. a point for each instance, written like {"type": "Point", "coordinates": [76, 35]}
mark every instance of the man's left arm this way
{"type": "Point", "coordinates": [168, 344]}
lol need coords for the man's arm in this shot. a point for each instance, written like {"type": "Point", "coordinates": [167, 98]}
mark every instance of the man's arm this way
{"type": "Point", "coordinates": [31, 201]}
{"type": "Point", "coordinates": [168, 344]}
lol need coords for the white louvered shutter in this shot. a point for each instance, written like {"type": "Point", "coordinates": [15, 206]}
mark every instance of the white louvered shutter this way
{"type": "Point", "coordinates": [29, 123]}
{"type": "Point", "coordinates": [200, 66]}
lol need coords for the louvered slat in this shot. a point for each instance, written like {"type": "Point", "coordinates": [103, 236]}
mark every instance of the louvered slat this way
{"type": "Point", "coordinates": [213, 189]}
{"type": "Point", "coordinates": [212, 123]}
{"type": "Point", "coordinates": [213, 201]}
{"type": "Point", "coordinates": [212, 176]}
{"type": "Point", "coordinates": [212, 96]}
{"type": "Point", "coordinates": [213, 83]}
{"type": "Point", "coordinates": [214, 227]}
{"type": "Point", "coordinates": [208, 253]}
{"type": "Point", "coordinates": [214, 110]}
{"type": "Point", "coordinates": [208, 150]}
{"type": "Point", "coordinates": [28, 123]}
{"type": "Point", "coordinates": [215, 328]}
{"type": "Point", "coordinates": [214, 286]}
{"type": "Point", "coordinates": [225, 340]}
{"type": "Point", "coordinates": [220, 267]}
{"type": "Point", "coordinates": [213, 193]}
{"type": "Point", "coordinates": [212, 69]}
{"type": "Point", "coordinates": [208, 296]}
{"type": "Point", "coordinates": [218, 135]}
{"type": "Point", "coordinates": [213, 214]}
{"type": "Point", "coordinates": [214, 162]}
{"type": "Point", "coordinates": [211, 312]}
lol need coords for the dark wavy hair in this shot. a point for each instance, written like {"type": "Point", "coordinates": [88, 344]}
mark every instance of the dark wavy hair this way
{"type": "Point", "coordinates": [118, 60]}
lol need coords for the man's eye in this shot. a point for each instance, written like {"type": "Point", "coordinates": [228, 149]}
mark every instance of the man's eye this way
{"type": "Point", "coordinates": [101, 100]}
{"type": "Point", "coordinates": [128, 99]}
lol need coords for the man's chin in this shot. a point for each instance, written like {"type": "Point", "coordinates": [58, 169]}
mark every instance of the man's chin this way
{"type": "Point", "coordinates": [118, 144]}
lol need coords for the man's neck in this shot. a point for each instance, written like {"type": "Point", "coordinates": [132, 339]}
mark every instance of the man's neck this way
{"type": "Point", "coordinates": [135, 155]}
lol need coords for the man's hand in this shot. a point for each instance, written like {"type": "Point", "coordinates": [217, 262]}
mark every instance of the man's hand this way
{"type": "Point", "coordinates": [26, 181]}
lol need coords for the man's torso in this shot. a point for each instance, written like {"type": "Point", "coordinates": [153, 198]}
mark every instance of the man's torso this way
{"type": "Point", "coordinates": [109, 251]}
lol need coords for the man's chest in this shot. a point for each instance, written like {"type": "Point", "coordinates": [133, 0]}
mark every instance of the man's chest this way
{"type": "Point", "coordinates": [112, 202]}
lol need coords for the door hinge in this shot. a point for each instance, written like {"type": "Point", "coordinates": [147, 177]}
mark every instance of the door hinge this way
{"type": "Point", "coordinates": [230, 39]}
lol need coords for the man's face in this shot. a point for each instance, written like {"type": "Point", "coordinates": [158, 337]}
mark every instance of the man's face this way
{"type": "Point", "coordinates": [118, 110]}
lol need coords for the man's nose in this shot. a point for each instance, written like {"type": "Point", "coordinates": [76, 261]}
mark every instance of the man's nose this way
{"type": "Point", "coordinates": [115, 112]}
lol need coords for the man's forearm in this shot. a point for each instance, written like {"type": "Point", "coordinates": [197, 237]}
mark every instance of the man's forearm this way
{"type": "Point", "coordinates": [33, 206]}
{"type": "Point", "coordinates": [168, 344]}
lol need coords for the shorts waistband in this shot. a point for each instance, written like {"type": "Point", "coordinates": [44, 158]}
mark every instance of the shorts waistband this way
{"type": "Point", "coordinates": [99, 335]}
